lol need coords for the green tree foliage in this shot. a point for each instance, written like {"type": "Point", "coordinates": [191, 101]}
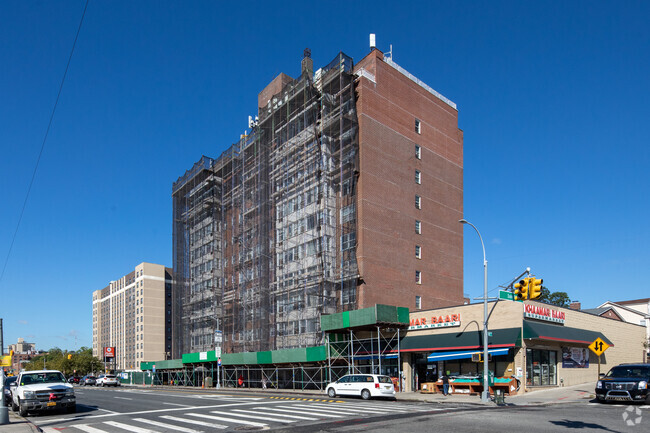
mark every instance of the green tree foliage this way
{"type": "Point", "coordinates": [82, 361]}
{"type": "Point", "coordinates": [561, 299]}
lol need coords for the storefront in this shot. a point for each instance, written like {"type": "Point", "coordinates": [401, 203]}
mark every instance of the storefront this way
{"type": "Point", "coordinates": [531, 345]}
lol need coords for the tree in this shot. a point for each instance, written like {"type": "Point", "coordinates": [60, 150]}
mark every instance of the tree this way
{"type": "Point", "coordinates": [82, 361]}
{"type": "Point", "coordinates": [561, 299]}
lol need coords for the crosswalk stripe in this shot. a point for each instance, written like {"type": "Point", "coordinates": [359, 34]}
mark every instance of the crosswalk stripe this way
{"type": "Point", "coordinates": [88, 429]}
{"type": "Point", "coordinates": [194, 421]}
{"type": "Point", "coordinates": [127, 427]}
{"type": "Point", "coordinates": [265, 418]}
{"type": "Point", "coordinates": [292, 409]}
{"type": "Point", "coordinates": [220, 418]}
{"type": "Point", "coordinates": [261, 409]}
{"type": "Point", "coordinates": [352, 409]}
{"type": "Point", "coordinates": [166, 426]}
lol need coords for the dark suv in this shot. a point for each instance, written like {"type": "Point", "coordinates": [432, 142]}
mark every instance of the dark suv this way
{"type": "Point", "coordinates": [625, 382]}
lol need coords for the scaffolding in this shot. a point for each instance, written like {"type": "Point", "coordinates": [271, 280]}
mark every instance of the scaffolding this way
{"type": "Point", "coordinates": [282, 206]}
{"type": "Point", "coordinates": [196, 289]}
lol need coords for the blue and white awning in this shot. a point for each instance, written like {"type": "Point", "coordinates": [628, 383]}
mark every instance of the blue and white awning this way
{"type": "Point", "coordinates": [465, 354]}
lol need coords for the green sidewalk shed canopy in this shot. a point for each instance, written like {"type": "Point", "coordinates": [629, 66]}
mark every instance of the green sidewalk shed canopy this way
{"type": "Point", "coordinates": [170, 364]}
{"type": "Point", "coordinates": [283, 356]}
{"type": "Point", "coordinates": [509, 337]}
{"type": "Point", "coordinates": [366, 318]}
{"type": "Point", "coordinates": [547, 331]}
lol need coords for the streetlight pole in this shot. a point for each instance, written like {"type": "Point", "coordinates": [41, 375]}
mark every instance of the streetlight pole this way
{"type": "Point", "coordinates": [485, 395]}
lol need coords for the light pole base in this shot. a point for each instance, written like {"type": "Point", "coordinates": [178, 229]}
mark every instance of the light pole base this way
{"type": "Point", "coordinates": [4, 414]}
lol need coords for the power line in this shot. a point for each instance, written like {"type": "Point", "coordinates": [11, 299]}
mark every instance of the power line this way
{"type": "Point", "coordinates": [47, 131]}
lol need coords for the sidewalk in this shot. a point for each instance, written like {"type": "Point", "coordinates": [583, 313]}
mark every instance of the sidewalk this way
{"type": "Point", "coordinates": [18, 424]}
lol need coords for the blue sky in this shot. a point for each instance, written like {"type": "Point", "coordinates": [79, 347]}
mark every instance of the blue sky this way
{"type": "Point", "coordinates": [552, 99]}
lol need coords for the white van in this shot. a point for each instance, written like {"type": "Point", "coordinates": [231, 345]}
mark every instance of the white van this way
{"type": "Point", "coordinates": [364, 385]}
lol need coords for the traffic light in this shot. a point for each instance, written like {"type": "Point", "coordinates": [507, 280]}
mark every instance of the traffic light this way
{"type": "Point", "coordinates": [69, 355]}
{"type": "Point", "coordinates": [521, 289]}
{"type": "Point", "coordinates": [11, 353]}
{"type": "Point", "coordinates": [535, 287]}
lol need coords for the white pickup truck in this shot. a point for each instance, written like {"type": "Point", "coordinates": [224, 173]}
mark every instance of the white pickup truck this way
{"type": "Point", "coordinates": [42, 390]}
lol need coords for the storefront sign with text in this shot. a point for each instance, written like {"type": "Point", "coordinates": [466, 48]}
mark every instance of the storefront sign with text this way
{"type": "Point", "coordinates": [446, 321]}
{"type": "Point", "coordinates": [543, 313]}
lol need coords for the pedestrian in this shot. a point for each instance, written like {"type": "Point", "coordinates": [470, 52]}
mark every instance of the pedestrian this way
{"type": "Point", "coordinates": [445, 383]}
{"type": "Point", "coordinates": [240, 381]}
{"type": "Point", "coordinates": [263, 382]}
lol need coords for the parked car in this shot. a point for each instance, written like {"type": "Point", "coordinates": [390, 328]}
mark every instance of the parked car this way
{"type": "Point", "coordinates": [7, 389]}
{"type": "Point", "coordinates": [88, 380]}
{"type": "Point", "coordinates": [625, 382]}
{"type": "Point", "coordinates": [41, 390]}
{"type": "Point", "coordinates": [107, 380]}
{"type": "Point", "coordinates": [74, 379]}
{"type": "Point", "coordinates": [364, 385]}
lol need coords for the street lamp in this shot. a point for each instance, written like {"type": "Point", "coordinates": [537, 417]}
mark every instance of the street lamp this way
{"type": "Point", "coordinates": [485, 395]}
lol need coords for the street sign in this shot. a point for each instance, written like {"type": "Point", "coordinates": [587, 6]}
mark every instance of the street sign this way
{"type": "Point", "coordinates": [219, 362]}
{"type": "Point", "coordinates": [5, 361]}
{"type": "Point", "coordinates": [154, 368]}
{"type": "Point", "coordinates": [505, 295]}
{"type": "Point", "coordinates": [598, 346]}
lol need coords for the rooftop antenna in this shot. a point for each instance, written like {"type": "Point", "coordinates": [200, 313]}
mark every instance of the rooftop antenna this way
{"type": "Point", "coordinates": [390, 53]}
{"type": "Point", "coordinates": [372, 41]}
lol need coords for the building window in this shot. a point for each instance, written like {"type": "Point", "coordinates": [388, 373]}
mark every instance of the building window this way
{"type": "Point", "coordinates": [418, 227]}
{"type": "Point", "coordinates": [418, 177]}
{"type": "Point", "coordinates": [347, 214]}
{"type": "Point", "coordinates": [418, 302]}
{"type": "Point", "coordinates": [418, 277]}
{"type": "Point", "coordinates": [348, 241]}
{"type": "Point", "coordinates": [418, 126]}
{"type": "Point", "coordinates": [418, 152]}
{"type": "Point", "coordinates": [418, 252]}
{"type": "Point", "coordinates": [418, 202]}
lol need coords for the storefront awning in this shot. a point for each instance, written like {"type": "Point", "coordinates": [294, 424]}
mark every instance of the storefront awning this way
{"type": "Point", "coordinates": [467, 340]}
{"type": "Point", "coordinates": [389, 356]}
{"type": "Point", "coordinates": [465, 354]}
{"type": "Point", "coordinates": [546, 331]}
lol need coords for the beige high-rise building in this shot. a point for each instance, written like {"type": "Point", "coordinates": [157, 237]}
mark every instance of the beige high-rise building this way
{"type": "Point", "coordinates": [132, 315]}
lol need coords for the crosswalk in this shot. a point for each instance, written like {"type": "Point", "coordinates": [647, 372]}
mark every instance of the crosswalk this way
{"type": "Point", "coordinates": [258, 415]}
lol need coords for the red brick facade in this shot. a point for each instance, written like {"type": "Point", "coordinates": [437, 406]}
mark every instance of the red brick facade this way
{"type": "Point", "coordinates": [387, 110]}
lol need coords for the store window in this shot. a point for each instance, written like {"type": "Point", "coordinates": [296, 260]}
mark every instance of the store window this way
{"type": "Point", "coordinates": [541, 367]}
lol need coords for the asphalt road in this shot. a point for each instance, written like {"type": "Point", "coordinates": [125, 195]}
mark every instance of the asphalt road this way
{"type": "Point", "coordinates": [574, 417]}
{"type": "Point", "coordinates": [143, 411]}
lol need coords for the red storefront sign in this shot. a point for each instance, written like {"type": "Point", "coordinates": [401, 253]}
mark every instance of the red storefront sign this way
{"type": "Point", "coordinates": [109, 352]}
{"type": "Point", "coordinates": [445, 321]}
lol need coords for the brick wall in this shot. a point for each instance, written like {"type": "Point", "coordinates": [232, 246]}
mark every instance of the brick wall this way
{"type": "Point", "coordinates": [386, 110]}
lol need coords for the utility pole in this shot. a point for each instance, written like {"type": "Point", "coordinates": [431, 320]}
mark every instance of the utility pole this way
{"type": "Point", "coordinates": [4, 411]}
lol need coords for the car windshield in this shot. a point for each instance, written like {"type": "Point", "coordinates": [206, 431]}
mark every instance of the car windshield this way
{"type": "Point", "coordinates": [631, 372]}
{"type": "Point", "coordinates": [31, 378]}
{"type": "Point", "coordinates": [10, 380]}
{"type": "Point", "coordinates": [384, 379]}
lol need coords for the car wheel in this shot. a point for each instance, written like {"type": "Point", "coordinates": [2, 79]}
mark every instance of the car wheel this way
{"type": "Point", "coordinates": [22, 410]}
{"type": "Point", "coordinates": [331, 392]}
{"type": "Point", "coordinates": [14, 406]}
{"type": "Point", "coordinates": [365, 394]}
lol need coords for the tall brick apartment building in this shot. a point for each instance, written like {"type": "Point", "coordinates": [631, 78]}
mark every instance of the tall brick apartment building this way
{"type": "Point", "coordinates": [346, 193]}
